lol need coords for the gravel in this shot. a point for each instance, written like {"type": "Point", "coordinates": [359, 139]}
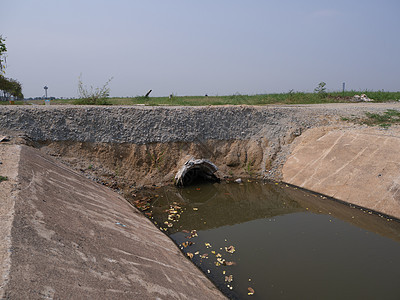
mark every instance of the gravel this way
{"type": "Point", "coordinates": [149, 124]}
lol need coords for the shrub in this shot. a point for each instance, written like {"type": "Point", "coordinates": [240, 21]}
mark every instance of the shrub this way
{"type": "Point", "coordinates": [320, 89]}
{"type": "Point", "coordinates": [93, 96]}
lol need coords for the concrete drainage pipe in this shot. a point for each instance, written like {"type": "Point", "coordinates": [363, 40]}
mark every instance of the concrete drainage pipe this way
{"type": "Point", "coordinates": [195, 171]}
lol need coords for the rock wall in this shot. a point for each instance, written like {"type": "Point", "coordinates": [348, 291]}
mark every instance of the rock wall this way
{"type": "Point", "coordinates": [144, 124]}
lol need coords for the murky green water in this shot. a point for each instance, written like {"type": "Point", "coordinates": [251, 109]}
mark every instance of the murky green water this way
{"type": "Point", "coordinates": [288, 244]}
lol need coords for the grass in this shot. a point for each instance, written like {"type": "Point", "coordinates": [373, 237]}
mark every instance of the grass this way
{"type": "Point", "coordinates": [385, 120]}
{"type": "Point", "coordinates": [236, 99]}
{"type": "Point", "coordinates": [3, 178]}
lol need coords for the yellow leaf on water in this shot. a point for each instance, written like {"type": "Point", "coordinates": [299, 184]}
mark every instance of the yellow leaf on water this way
{"type": "Point", "coordinates": [251, 291]}
{"type": "Point", "coordinates": [230, 249]}
{"type": "Point", "coordinates": [229, 278]}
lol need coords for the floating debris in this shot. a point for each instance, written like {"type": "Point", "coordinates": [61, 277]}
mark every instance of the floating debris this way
{"type": "Point", "coordinates": [229, 278]}
{"type": "Point", "coordinates": [250, 291]}
{"type": "Point", "coordinates": [190, 255]}
{"type": "Point", "coordinates": [193, 234]}
{"type": "Point", "coordinates": [187, 244]}
{"type": "Point", "coordinates": [230, 249]}
{"type": "Point", "coordinates": [208, 245]}
{"type": "Point", "coordinates": [220, 261]}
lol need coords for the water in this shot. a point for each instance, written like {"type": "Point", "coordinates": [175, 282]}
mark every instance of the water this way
{"type": "Point", "coordinates": [289, 244]}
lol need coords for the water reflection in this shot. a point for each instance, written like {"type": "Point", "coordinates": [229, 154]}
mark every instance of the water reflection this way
{"type": "Point", "coordinates": [224, 204]}
{"type": "Point", "coordinates": [289, 244]}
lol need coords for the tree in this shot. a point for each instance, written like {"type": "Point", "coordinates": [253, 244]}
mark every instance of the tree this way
{"type": "Point", "coordinates": [3, 50]}
{"type": "Point", "coordinates": [9, 86]}
{"type": "Point", "coordinates": [320, 89]}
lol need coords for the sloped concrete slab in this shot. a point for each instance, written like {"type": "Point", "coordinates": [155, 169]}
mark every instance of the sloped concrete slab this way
{"type": "Point", "coordinates": [74, 239]}
{"type": "Point", "coordinates": [361, 166]}
{"type": "Point", "coordinates": [9, 159]}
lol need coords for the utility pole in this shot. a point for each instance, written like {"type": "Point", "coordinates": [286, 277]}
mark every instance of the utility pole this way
{"type": "Point", "coordinates": [45, 91]}
{"type": "Point", "coordinates": [344, 86]}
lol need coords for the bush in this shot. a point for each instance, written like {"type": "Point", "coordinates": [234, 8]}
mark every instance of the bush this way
{"type": "Point", "coordinates": [93, 96]}
{"type": "Point", "coordinates": [320, 89]}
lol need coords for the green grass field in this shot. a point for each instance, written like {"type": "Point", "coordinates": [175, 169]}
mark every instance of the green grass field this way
{"type": "Point", "coordinates": [237, 99]}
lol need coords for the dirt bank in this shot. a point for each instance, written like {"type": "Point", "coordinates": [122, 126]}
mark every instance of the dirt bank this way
{"type": "Point", "coordinates": [128, 147]}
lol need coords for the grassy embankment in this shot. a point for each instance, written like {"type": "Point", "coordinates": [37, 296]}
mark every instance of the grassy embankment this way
{"type": "Point", "coordinates": [284, 98]}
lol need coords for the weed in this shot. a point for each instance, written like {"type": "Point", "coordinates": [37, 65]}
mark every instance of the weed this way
{"type": "Point", "coordinates": [384, 120]}
{"type": "Point", "coordinates": [93, 96]}
{"type": "Point", "coordinates": [141, 98]}
{"type": "Point", "coordinates": [156, 159]}
{"type": "Point", "coordinates": [292, 97]}
{"type": "Point", "coordinates": [3, 178]}
{"type": "Point", "coordinates": [249, 168]}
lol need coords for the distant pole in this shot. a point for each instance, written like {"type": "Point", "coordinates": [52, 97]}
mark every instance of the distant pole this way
{"type": "Point", "coordinates": [344, 86]}
{"type": "Point", "coordinates": [45, 90]}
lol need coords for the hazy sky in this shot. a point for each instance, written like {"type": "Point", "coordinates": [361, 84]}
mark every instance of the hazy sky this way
{"type": "Point", "coordinates": [188, 47]}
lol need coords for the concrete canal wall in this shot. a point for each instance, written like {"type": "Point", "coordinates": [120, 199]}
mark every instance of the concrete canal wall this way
{"type": "Point", "coordinates": [65, 237]}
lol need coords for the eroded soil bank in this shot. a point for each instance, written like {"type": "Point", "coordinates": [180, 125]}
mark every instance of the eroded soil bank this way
{"type": "Point", "coordinates": [130, 147]}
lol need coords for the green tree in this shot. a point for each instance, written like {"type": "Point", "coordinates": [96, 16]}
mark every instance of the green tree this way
{"type": "Point", "coordinates": [320, 89]}
{"type": "Point", "coordinates": [10, 87]}
{"type": "Point", "coordinates": [3, 50]}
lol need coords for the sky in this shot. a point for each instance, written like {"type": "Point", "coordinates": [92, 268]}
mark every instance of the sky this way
{"type": "Point", "coordinates": [193, 47]}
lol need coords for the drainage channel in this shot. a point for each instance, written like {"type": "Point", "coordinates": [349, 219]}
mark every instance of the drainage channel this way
{"type": "Point", "coordinates": [268, 240]}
